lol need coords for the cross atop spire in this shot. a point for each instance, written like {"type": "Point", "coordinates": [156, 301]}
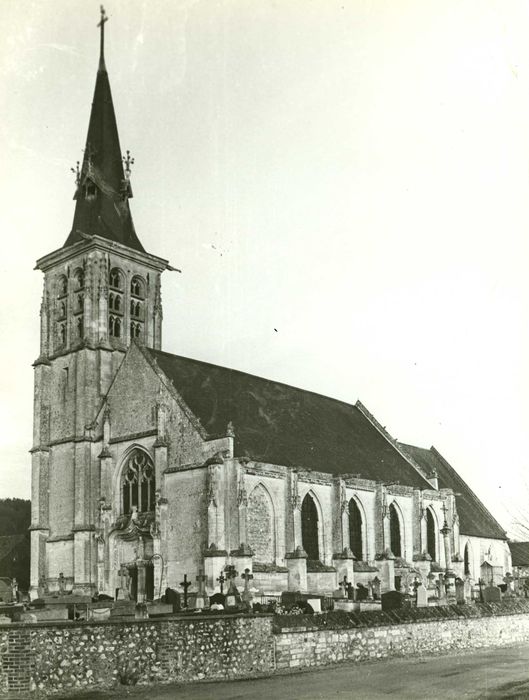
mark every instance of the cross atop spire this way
{"type": "Point", "coordinates": [101, 24]}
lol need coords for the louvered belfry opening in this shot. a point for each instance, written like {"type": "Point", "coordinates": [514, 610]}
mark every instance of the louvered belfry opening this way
{"type": "Point", "coordinates": [309, 528]}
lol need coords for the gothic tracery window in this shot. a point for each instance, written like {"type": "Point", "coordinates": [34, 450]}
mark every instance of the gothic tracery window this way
{"type": "Point", "coordinates": [394, 531]}
{"type": "Point", "coordinates": [355, 529]}
{"type": "Point", "coordinates": [115, 278]}
{"type": "Point", "coordinates": [431, 535]}
{"type": "Point", "coordinates": [62, 286]}
{"type": "Point", "coordinates": [78, 276]}
{"type": "Point", "coordinates": [137, 483]}
{"type": "Point", "coordinates": [310, 528]}
{"type": "Point", "coordinates": [136, 287]}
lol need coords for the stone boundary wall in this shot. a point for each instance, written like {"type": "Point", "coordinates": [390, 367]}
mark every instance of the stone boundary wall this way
{"type": "Point", "coordinates": [52, 658]}
{"type": "Point", "coordinates": [302, 648]}
{"type": "Point", "coordinates": [60, 656]}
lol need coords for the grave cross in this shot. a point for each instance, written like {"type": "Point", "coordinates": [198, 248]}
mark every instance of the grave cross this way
{"type": "Point", "coordinates": [247, 577]}
{"type": "Point", "coordinates": [230, 572]}
{"type": "Point", "coordinates": [344, 585]}
{"type": "Point", "coordinates": [221, 580]}
{"type": "Point", "coordinates": [185, 585]}
{"type": "Point", "coordinates": [201, 579]}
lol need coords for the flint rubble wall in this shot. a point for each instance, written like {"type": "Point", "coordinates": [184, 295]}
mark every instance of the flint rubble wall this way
{"type": "Point", "coordinates": [52, 658]}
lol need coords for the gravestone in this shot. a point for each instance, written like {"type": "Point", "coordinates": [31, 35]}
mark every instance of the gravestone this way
{"type": "Point", "coordinates": [247, 595]}
{"type": "Point", "coordinates": [172, 597]}
{"type": "Point", "coordinates": [315, 604]}
{"type": "Point", "coordinates": [217, 599]}
{"type": "Point", "coordinates": [392, 600]}
{"type": "Point", "coordinates": [422, 596]}
{"type": "Point", "coordinates": [376, 588]}
{"type": "Point", "coordinates": [460, 592]}
{"type": "Point", "coordinates": [467, 590]}
{"type": "Point", "coordinates": [361, 592]}
{"type": "Point", "coordinates": [200, 600]}
{"type": "Point", "coordinates": [491, 594]}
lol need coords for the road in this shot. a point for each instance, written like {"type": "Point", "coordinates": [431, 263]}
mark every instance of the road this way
{"type": "Point", "coordinates": [492, 673]}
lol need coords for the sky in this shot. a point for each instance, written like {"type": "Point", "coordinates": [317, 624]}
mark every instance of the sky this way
{"type": "Point", "coordinates": [344, 185]}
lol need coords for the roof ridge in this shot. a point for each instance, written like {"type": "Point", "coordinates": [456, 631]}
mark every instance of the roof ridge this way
{"type": "Point", "coordinates": [256, 376]}
{"type": "Point", "coordinates": [479, 502]}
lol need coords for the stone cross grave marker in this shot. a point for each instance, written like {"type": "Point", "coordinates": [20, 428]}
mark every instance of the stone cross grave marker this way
{"type": "Point", "coordinates": [233, 593]}
{"type": "Point", "coordinates": [185, 585]}
{"type": "Point", "coordinates": [344, 586]}
{"type": "Point", "coordinates": [221, 580]}
{"type": "Point", "coordinates": [200, 601]}
{"type": "Point", "coordinates": [123, 590]}
{"type": "Point", "coordinates": [508, 579]}
{"type": "Point", "coordinates": [62, 584]}
{"type": "Point", "coordinates": [247, 594]}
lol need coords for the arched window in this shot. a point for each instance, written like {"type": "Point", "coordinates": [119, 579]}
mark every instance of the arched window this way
{"type": "Point", "coordinates": [80, 302]}
{"type": "Point", "coordinates": [355, 529]}
{"type": "Point", "coordinates": [135, 330]}
{"type": "Point", "coordinates": [61, 310]}
{"type": "Point", "coordinates": [62, 334]}
{"type": "Point", "coordinates": [78, 276]}
{"type": "Point", "coordinates": [394, 531]}
{"type": "Point", "coordinates": [80, 326]}
{"type": "Point", "coordinates": [135, 308]}
{"type": "Point", "coordinates": [431, 535]}
{"type": "Point", "coordinates": [136, 287]}
{"type": "Point", "coordinates": [309, 528]}
{"type": "Point", "coordinates": [137, 483]}
{"type": "Point", "coordinates": [62, 286]}
{"type": "Point", "coordinates": [261, 527]}
{"type": "Point", "coordinates": [467, 560]}
{"type": "Point", "coordinates": [115, 278]}
{"type": "Point", "coordinates": [114, 326]}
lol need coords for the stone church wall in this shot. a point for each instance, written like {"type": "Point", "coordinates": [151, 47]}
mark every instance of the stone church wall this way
{"type": "Point", "coordinates": [61, 489]}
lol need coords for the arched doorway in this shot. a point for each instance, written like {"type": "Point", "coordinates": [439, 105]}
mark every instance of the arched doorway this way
{"type": "Point", "coordinates": [309, 528]}
{"type": "Point", "coordinates": [394, 531]}
{"type": "Point", "coordinates": [431, 535]}
{"type": "Point", "coordinates": [355, 530]}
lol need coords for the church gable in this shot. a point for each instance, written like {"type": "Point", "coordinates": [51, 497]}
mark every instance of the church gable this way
{"type": "Point", "coordinates": [142, 402]}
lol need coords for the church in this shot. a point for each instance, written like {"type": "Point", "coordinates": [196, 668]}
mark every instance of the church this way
{"type": "Point", "coordinates": [156, 467]}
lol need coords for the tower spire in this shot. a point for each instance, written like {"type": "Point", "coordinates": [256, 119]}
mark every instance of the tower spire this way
{"type": "Point", "coordinates": [101, 24]}
{"type": "Point", "coordinates": [103, 187]}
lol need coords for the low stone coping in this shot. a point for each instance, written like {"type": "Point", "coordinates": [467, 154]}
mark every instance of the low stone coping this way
{"type": "Point", "coordinates": [175, 617]}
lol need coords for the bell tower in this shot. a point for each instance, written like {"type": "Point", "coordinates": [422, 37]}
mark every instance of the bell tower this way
{"type": "Point", "coordinates": [101, 292]}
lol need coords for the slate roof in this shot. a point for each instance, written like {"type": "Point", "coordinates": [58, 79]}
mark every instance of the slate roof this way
{"type": "Point", "coordinates": [519, 553]}
{"type": "Point", "coordinates": [280, 424]}
{"type": "Point", "coordinates": [474, 519]}
{"type": "Point", "coordinates": [107, 214]}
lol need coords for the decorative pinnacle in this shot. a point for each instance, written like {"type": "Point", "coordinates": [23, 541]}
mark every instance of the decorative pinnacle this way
{"type": "Point", "coordinates": [77, 172]}
{"type": "Point", "coordinates": [128, 162]}
{"type": "Point", "coordinates": [101, 24]}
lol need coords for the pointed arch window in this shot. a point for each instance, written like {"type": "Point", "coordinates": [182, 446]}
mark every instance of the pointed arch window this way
{"type": "Point", "coordinates": [135, 330]}
{"type": "Point", "coordinates": [138, 483]}
{"type": "Point", "coordinates": [116, 279]}
{"type": "Point", "coordinates": [137, 287]}
{"type": "Point", "coordinates": [114, 326]}
{"type": "Point", "coordinates": [78, 277]}
{"type": "Point", "coordinates": [114, 302]}
{"type": "Point", "coordinates": [61, 309]}
{"type": "Point", "coordinates": [310, 528]}
{"type": "Point", "coordinates": [355, 529]}
{"type": "Point", "coordinates": [62, 286]}
{"type": "Point", "coordinates": [467, 560]}
{"type": "Point", "coordinates": [431, 535]}
{"type": "Point", "coordinates": [394, 531]}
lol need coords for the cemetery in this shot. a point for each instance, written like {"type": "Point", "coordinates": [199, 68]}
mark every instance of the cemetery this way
{"type": "Point", "coordinates": [64, 640]}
